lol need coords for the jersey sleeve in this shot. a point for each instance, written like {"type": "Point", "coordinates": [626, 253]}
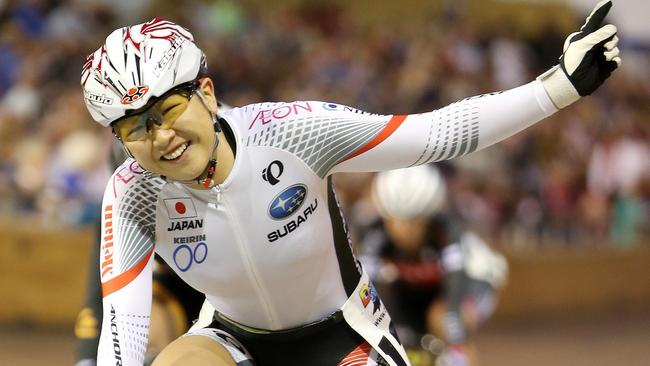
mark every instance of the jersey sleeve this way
{"type": "Point", "coordinates": [126, 259]}
{"type": "Point", "coordinates": [334, 138]}
{"type": "Point", "coordinates": [455, 130]}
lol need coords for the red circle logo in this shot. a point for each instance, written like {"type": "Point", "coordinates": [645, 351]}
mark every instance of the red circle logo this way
{"type": "Point", "coordinates": [180, 208]}
{"type": "Point", "coordinates": [134, 94]}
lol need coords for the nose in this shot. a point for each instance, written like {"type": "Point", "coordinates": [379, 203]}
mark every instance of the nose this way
{"type": "Point", "coordinates": [162, 137]}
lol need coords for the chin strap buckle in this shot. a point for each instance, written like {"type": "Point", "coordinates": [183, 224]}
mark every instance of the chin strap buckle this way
{"type": "Point", "coordinates": [211, 168]}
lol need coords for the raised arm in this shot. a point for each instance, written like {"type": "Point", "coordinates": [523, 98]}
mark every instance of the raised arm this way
{"type": "Point", "coordinates": [386, 142]}
{"type": "Point", "coordinates": [333, 138]}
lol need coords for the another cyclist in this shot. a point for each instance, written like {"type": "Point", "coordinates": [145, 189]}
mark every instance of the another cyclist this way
{"type": "Point", "coordinates": [421, 244]}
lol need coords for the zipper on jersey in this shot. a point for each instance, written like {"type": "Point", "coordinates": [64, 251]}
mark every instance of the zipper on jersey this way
{"type": "Point", "coordinates": [253, 274]}
{"type": "Point", "coordinates": [217, 189]}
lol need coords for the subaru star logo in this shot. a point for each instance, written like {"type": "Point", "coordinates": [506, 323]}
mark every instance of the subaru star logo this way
{"type": "Point", "coordinates": [288, 201]}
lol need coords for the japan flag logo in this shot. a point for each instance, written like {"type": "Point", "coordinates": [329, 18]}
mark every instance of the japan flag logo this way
{"type": "Point", "coordinates": [180, 208]}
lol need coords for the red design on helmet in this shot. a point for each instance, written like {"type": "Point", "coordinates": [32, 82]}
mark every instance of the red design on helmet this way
{"type": "Point", "coordinates": [136, 63]}
{"type": "Point", "coordinates": [134, 94]}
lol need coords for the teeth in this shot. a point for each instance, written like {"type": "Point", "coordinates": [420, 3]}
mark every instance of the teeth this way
{"type": "Point", "coordinates": [176, 153]}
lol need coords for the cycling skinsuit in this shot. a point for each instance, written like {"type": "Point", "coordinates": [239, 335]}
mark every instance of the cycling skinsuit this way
{"type": "Point", "coordinates": [268, 247]}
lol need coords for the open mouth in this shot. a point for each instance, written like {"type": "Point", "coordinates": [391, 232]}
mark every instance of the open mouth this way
{"type": "Point", "coordinates": [176, 153]}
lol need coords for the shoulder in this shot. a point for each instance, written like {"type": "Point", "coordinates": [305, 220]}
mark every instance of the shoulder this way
{"type": "Point", "coordinates": [130, 182]}
{"type": "Point", "coordinates": [253, 118]}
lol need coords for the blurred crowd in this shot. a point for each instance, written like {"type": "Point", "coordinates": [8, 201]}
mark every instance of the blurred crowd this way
{"type": "Point", "coordinates": [580, 178]}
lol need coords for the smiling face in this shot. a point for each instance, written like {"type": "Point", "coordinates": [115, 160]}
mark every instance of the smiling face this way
{"type": "Point", "coordinates": [180, 138]}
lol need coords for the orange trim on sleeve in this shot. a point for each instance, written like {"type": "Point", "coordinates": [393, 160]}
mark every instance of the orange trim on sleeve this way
{"type": "Point", "coordinates": [125, 278]}
{"type": "Point", "coordinates": [392, 125]}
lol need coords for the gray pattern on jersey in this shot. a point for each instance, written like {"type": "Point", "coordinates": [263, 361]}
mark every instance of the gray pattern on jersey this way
{"type": "Point", "coordinates": [137, 220]}
{"type": "Point", "coordinates": [136, 328]}
{"type": "Point", "coordinates": [320, 141]}
{"type": "Point", "coordinates": [456, 132]}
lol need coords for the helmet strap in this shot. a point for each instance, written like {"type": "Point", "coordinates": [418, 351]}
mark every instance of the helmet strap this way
{"type": "Point", "coordinates": [212, 166]}
{"type": "Point", "coordinates": [126, 151]}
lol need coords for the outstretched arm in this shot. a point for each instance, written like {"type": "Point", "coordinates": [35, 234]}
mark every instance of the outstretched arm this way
{"type": "Point", "coordinates": [385, 142]}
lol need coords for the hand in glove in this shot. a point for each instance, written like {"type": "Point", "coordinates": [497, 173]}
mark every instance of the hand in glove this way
{"type": "Point", "coordinates": [590, 55]}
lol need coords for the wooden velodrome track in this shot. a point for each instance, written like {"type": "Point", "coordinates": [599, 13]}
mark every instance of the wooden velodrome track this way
{"type": "Point", "coordinates": [602, 342]}
{"type": "Point", "coordinates": [586, 306]}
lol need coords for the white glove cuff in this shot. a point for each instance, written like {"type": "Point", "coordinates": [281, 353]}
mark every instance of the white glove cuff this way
{"type": "Point", "coordinates": [558, 87]}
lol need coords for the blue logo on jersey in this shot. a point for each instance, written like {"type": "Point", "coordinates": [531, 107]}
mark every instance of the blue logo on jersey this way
{"type": "Point", "coordinates": [288, 201]}
{"type": "Point", "coordinates": [185, 256]}
{"type": "Point", "coordinates": [331, 107]}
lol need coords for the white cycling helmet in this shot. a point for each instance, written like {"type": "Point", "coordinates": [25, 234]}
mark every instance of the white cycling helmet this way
{"type": "Point", "coordinates": [137, 63]}
{"type": "Point", "coordinates": [409, 193]}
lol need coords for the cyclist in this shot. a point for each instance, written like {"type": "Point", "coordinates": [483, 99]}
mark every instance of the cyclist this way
{"type": "Point", "coordinates": [240, 204]}
{"type": "Point", "coordinates": [419, 243]}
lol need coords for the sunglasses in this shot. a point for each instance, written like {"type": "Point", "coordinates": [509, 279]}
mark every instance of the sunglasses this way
{"type": "Point", "coordinates": [161, 112]}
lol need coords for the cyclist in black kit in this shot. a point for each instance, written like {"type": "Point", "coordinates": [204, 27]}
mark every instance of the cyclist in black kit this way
{"type": "Point", "coordinates": [440, 278]}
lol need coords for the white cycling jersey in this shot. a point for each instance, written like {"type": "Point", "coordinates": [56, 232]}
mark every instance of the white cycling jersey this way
{"type": "Point", "coordinates": [268, 247]}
